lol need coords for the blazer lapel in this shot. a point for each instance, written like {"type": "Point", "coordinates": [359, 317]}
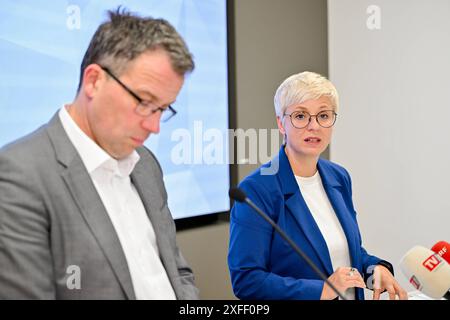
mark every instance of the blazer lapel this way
{"type": "Point", "coordinates": [148, 188]}
{"type": "Point", "coordinates": [85, 195]}
{"type": "Point", "coordinates": [298, 208]}
{"type": "Point", "coordinates": [333, 188]}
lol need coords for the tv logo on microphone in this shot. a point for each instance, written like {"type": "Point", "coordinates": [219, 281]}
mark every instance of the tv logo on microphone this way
{"type": "Point", "coordinates": [432, 262]}
{"type": "Point", "coordinates": [442, 251]}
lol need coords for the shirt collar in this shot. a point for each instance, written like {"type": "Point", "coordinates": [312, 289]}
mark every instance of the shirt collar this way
{"type": "Point", "coordinates": [92, 155]}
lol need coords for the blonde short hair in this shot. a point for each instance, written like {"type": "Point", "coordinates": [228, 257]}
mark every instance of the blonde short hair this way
{"type": "Point", "coordinates": [301, 87]}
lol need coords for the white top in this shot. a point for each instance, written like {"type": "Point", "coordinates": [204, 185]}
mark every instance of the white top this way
{"type": "Point", "coordinates": [323, 213]}
{"type": "Point", "coordinates": [111, 178]}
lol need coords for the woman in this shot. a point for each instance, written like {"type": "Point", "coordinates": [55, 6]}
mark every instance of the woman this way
{"type": "Point", "coordinates": [311, 200]}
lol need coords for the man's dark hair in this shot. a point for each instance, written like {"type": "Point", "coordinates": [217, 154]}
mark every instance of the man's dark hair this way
{"type": "Point", "coordinates": [125, 36]}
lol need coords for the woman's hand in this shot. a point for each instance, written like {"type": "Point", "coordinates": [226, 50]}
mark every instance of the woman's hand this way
{"type": "Point", "coordinates": [343, 278]}
{"type": "Point", "coordinates": [384, 280]}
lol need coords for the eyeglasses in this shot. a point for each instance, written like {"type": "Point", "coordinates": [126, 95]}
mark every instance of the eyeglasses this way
{"type": "Point", "coordinates": [301, 119]}
{"type": "Point", "coordinates": [144, 108]}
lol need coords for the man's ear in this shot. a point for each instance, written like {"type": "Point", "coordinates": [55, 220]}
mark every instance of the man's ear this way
{"type": "Point", "coordinates": [92, 77]}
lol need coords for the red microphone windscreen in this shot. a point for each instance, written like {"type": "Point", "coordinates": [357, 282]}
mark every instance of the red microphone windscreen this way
{"type": "Point", "coordinates": [442, 248]}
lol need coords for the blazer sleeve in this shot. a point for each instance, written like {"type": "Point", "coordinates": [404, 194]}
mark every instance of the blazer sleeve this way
{"type": "Point", "coordinates": [250, 252]}
{"type": "Point", "coordinates": [25, 258]}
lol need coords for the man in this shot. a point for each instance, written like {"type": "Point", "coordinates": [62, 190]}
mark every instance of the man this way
{"type": "Point", "coordinates": [83, 207]}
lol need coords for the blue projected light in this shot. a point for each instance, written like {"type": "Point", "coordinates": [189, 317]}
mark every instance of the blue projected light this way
{"type": "Point", "coordinates": [42, 44]}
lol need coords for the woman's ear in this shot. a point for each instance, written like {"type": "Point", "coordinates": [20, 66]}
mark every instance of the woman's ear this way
{"type": "Point", "coordinates": [281, 126]}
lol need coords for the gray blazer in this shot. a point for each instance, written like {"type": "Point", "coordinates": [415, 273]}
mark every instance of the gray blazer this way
{"type": "Point", "coordinates": [52, 218]}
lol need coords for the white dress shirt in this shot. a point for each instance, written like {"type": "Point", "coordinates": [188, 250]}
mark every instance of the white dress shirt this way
{"type": "Point", "coordinates": [111, 178]}
{"type": "Point", "coordinates": [323, 213]}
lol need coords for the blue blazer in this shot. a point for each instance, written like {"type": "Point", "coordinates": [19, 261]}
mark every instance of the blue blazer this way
{"type": "Point", "coordinates": [262, 265]}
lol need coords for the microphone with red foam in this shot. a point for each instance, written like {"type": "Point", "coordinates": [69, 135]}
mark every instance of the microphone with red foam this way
{"type": "Point", "coordinates": [427, 271]}
{"type": "Point", "coordinates": [442, 248]}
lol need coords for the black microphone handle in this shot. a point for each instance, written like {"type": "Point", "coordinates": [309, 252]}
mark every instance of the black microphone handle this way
{"type": "Point", "coordinates": [294, 246]}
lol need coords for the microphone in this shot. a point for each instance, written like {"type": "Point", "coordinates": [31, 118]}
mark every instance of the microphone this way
{"type": "Point", "coordinates": [427, 272]}
{"type": "Point", "coordinates": [442, 248]}
{"type": "Point", "coordinates": [239, 195]}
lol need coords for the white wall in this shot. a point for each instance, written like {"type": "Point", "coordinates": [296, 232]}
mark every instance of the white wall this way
{"type": "Point", "coordinates": [393, 128]}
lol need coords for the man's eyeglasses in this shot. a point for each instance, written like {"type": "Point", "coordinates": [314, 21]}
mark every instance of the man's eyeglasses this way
{"type": "Point", "coordinates": [301, 119]}
{"type": "Point", "coordinates": [144, 108]}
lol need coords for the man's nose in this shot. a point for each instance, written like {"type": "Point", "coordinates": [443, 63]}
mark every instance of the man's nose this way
{"type": "Point", "coordinates": [152, 122]}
